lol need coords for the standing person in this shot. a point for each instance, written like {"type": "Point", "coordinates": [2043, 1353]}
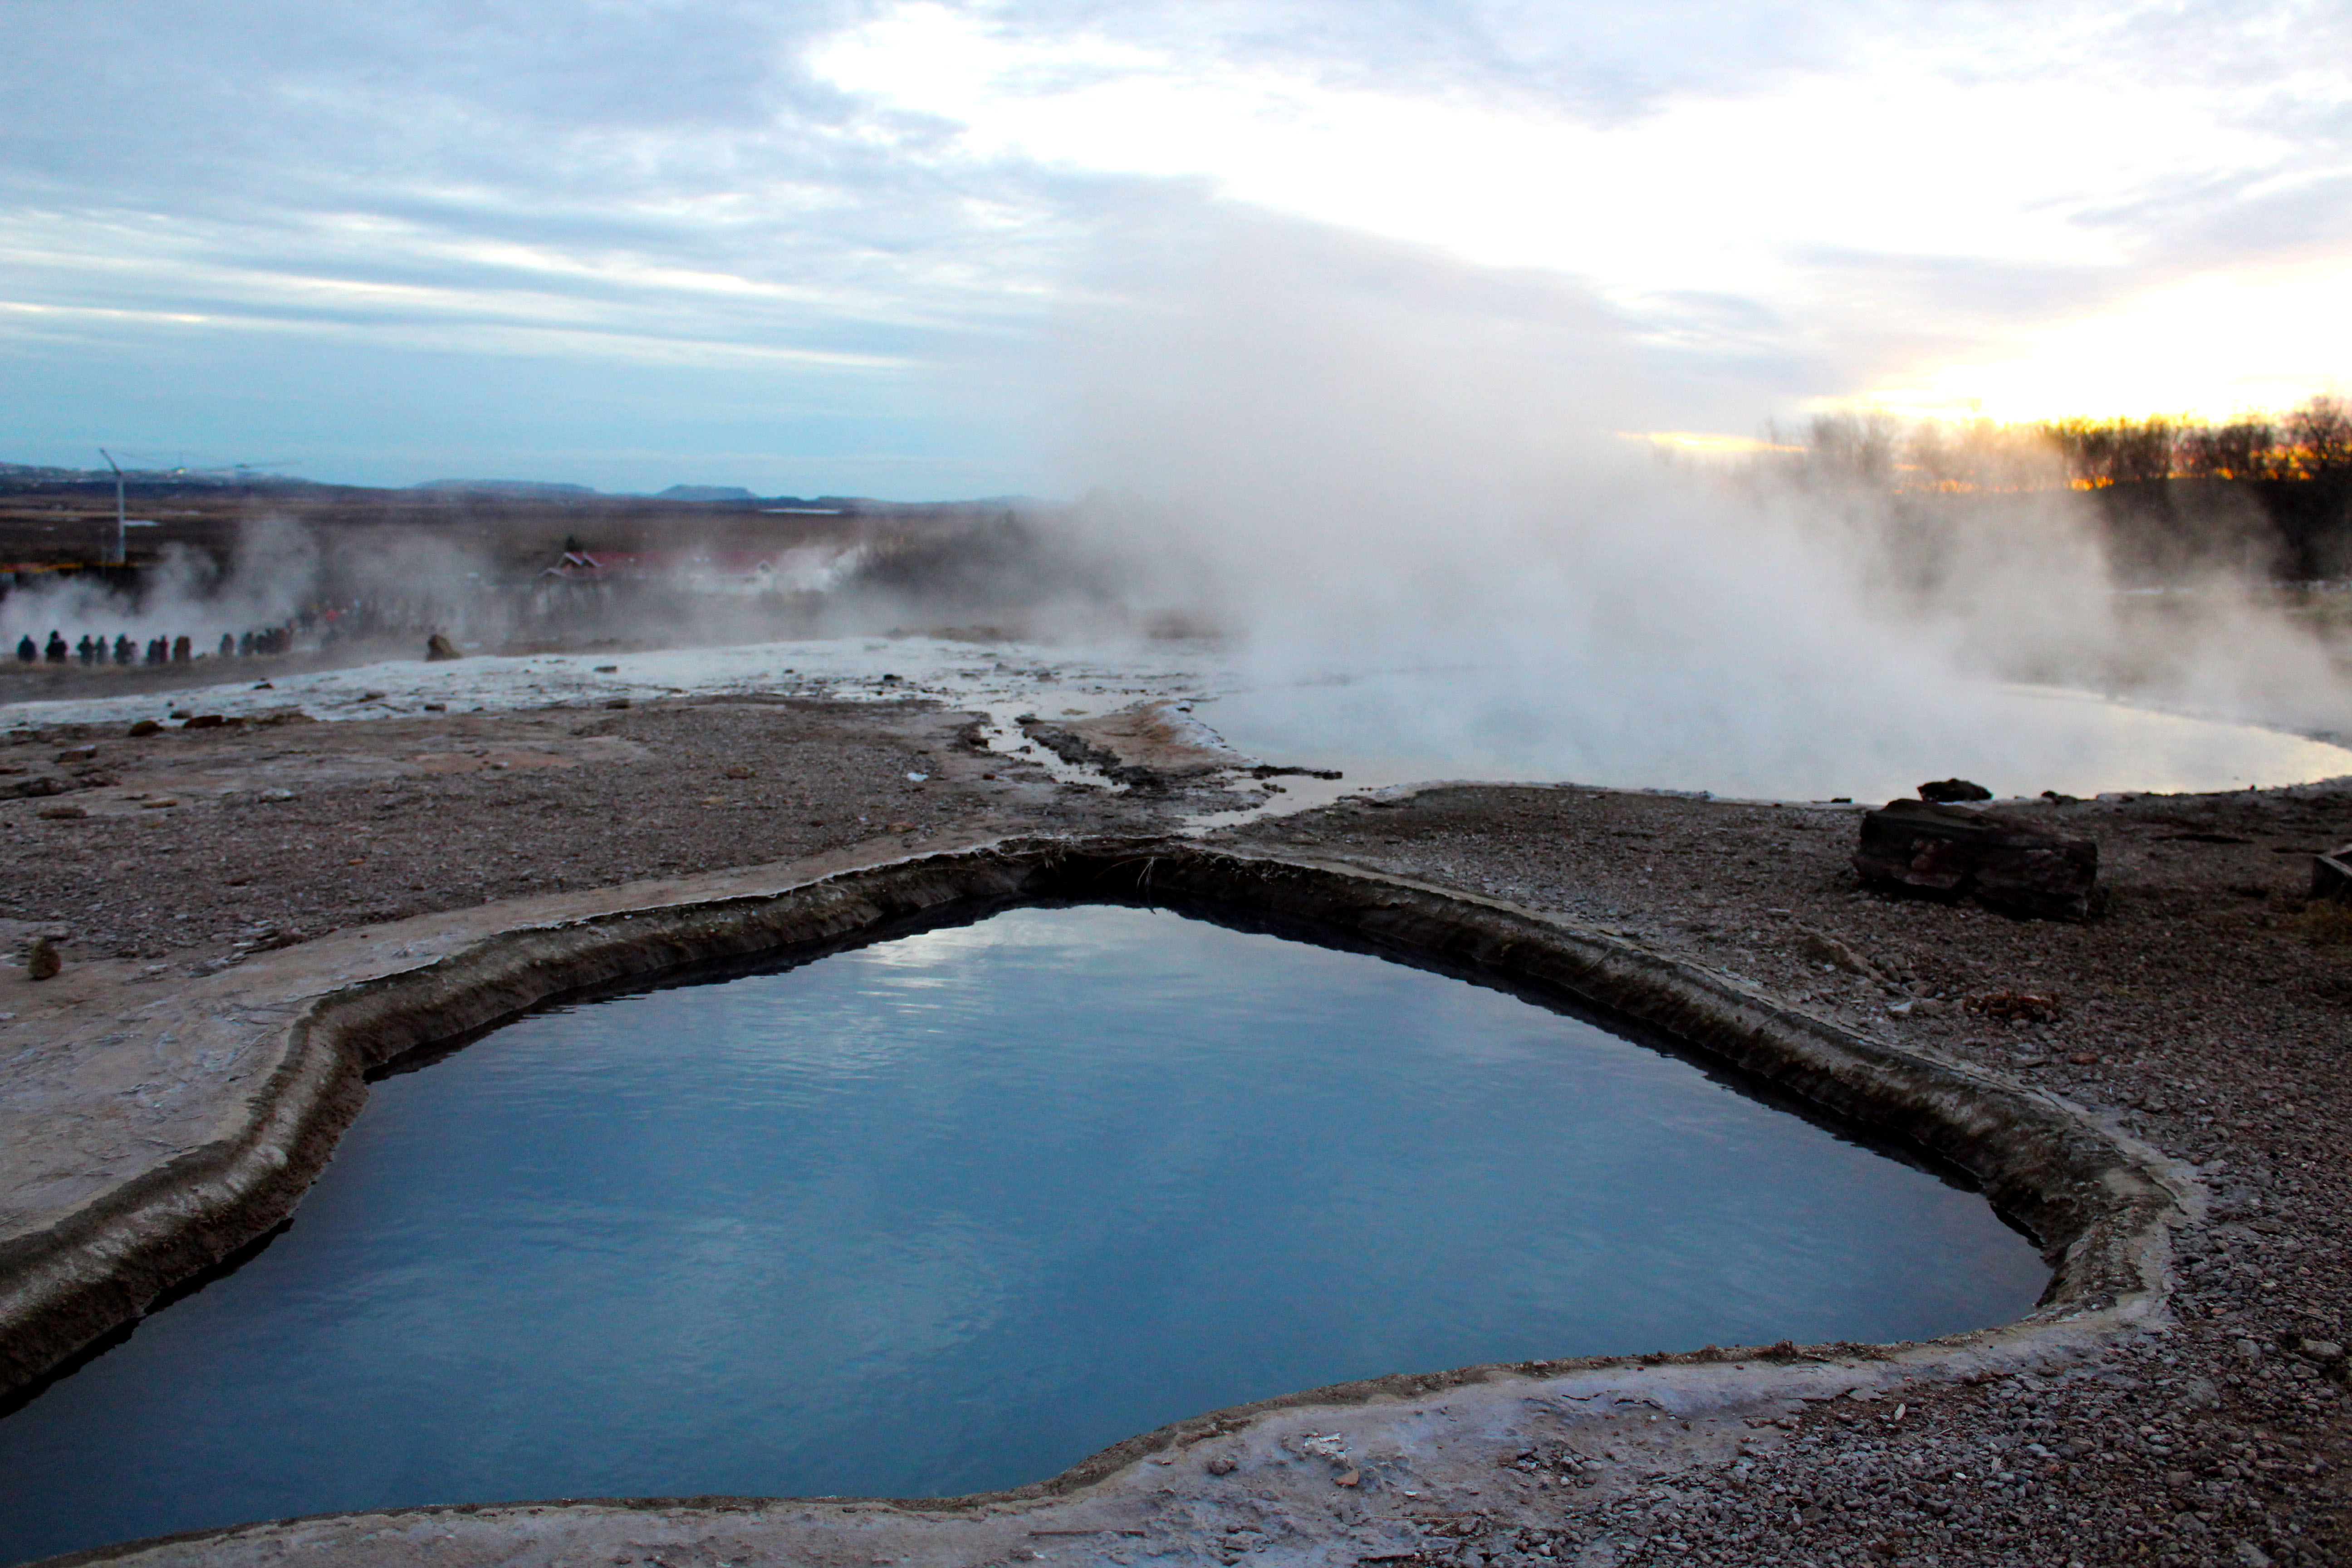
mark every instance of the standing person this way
{"type": "Point", "coordinates": [26, 652]}
{"type": "Point", "coordinates": [228, 645]}
{"type": "Point", "coordinates": [182, 651]}
{"type": "Point", "coordinates": [123, 651]}
{"type": "Point", "coordinates": [85, 650]}
{"type": "Point", "coordinates": [56, 649]}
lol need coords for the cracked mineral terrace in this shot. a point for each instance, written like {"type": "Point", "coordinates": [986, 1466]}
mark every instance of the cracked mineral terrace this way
{"type": "Point", "coordinates": [250, 912]}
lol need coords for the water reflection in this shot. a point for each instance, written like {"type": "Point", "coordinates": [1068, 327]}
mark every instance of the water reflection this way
{"type": "Point", "coordinates": [954, 1211]}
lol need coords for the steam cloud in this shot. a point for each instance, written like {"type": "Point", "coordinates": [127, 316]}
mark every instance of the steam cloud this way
{"type": "Point", "coordinates": [1356, 457]}
{"type": "Point", "coordinates": [273, 572]}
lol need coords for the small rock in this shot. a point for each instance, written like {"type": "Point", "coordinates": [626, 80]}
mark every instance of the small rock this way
{"type": "Point", "coordinates": [608, 669]}
{"type": "Point", "coordinates": [2322, 1350]}
{"type": "Point", "coordinates": [437, 707]}
{"type": "Point", "coordinates": [2015, 1007]}
{"type": "Point", "coordinates": [276, 795]}
{"type": "Point", "coordinates": [1221, 1466]}
{"type": "Point", "coordinates": [36, 786]}
{"type": "Point", "coordinates": [41, 960]}
{"type": "Point", "coordinates": [78, 753]}
{"type": "Point", "coordinates": [157, 802]}
{"type": "Point", "coordinates": [2178, 1479]}
{"type": "Point", "coordinates": [1822, 948]}
{"type": "Point", "coordinates": [1347, 1478]}
{"type": "Point", "coordinates": [203, 721]}
{"type": "Point", "coordinates": [144, 727]}
{"type": "Point", "coordinates": [2249, 1350]}
{"type": "Point", "coordinates": [616, 702]}
{"type": "Point", "coordinates": [2252, 1556]}
{"type": "Point", "coordinates": [64, 813]}
{"type": "Point", "coordinates": [900, 827]}
{"type": "Point", "coordinates": [439, 650]}
{"type": "Point", "coordinates": [739, 772]}
{"type": "Point", "coordinates": [1943, 791]}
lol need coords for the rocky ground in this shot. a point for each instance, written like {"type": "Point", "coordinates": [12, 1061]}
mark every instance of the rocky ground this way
{"type": "Point", "coordinates": [185, 847]}
{"type": "Point", "coordinates": [2204, 1008]}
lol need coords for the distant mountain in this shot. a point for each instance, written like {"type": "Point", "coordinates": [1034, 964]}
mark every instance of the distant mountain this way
{"type": "Point", "coordinates": [27, 476]}
{"type": "Point", "coordinates": [704, 492]}
{"type": "Point", "coordinates": [505, 487]}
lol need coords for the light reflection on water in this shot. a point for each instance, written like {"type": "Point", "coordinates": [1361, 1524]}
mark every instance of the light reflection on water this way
{"type": "Point", "coordinates": [952, 1212]}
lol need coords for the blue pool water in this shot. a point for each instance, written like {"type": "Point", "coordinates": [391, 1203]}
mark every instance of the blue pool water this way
{"type": "Point", "coordinates": [951, 1212]}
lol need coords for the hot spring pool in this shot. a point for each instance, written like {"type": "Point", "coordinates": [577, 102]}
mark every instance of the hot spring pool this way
{"type": "Point", "coordinates": [954, 1210]}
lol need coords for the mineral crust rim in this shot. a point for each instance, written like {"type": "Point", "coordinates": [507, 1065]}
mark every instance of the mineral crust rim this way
{"type": "Point", "coordinates": [325, 1012]}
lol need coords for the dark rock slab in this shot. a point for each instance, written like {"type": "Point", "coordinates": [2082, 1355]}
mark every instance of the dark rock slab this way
{"type": "Point", "coordinates": [2009, 862]}
{"type": "Point", "coordinates": [1943, 791]}
{"type": "Point", "coordinates": [2331, 875]}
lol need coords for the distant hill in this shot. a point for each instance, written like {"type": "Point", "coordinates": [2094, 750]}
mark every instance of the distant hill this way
{"type": "Point", "coordinates": [704, 492]}
{"type": "Point", "coordinates": [525, 488]}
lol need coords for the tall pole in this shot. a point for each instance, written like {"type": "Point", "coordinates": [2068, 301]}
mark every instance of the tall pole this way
{"type": "Point", "coordinates": [122, 530]}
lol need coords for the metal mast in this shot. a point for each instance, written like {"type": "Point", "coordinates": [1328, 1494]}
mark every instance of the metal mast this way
{"type": "Point", "coordinates": [121, 531]}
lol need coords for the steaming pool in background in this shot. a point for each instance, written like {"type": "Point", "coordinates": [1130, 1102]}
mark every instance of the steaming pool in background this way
{"type": "Point", "coordinates": [1379, 728]}
{"type": "Point", "coordinates": [954, 1210]}
{"type": "Point", "coordinates": [1408, 726]}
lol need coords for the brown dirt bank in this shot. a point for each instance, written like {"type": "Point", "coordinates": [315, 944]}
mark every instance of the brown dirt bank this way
{"type": "Point", "coordinates": [2204, 1009]}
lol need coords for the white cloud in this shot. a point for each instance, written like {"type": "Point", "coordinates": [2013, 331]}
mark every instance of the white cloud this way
{"type": "Point", "coordinates": [2013, 159]}
{"type": "Point", "coordinates": [1785, 202]}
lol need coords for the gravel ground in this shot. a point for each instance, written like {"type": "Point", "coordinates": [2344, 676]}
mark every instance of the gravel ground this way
{"type": "Point", "coordinates": [2204, 1008]}
{"type": "Point", "coordinates": [198, 843]}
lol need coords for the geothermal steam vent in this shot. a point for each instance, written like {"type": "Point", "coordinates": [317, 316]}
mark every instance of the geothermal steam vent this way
{"type": "Point", "coordinates": [952, 1210]}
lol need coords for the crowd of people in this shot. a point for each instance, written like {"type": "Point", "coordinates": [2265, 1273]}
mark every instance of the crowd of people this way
{"type": "Point", "coordinates": [319, 624]}
{"type": "Point", "coordinates": [95, 650]}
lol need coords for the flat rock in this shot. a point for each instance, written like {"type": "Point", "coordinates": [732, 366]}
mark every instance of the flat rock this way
{"type": "Point", "coordinates": [2010, 862]}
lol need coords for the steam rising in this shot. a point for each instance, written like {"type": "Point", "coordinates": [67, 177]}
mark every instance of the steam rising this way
{"type": "Point", "coordinates": [1398, 488]}
{"type": "Point", "coordinates": [274, 571]}
{"type": "Point", "coordinates": [1360, 459]}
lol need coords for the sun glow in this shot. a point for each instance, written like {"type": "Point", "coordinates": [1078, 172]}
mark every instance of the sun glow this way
{"type": "Point", "coordinates": [1767, 196]}
{"type": "Point", "coordinates": [2208, 349]}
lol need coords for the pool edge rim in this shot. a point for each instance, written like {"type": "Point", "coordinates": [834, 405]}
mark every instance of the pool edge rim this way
{"type": "Point", "coordinates": [2103, 1202]}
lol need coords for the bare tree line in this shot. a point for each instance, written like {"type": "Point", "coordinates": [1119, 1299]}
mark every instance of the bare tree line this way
{"type": "Point", "coordinates": [2263, 495]}
{"type": "Point", "coordinates": [2311, 443]}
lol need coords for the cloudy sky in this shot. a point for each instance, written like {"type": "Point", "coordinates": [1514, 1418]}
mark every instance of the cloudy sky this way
{"type": "Point", "coordinates": [832, 247]}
